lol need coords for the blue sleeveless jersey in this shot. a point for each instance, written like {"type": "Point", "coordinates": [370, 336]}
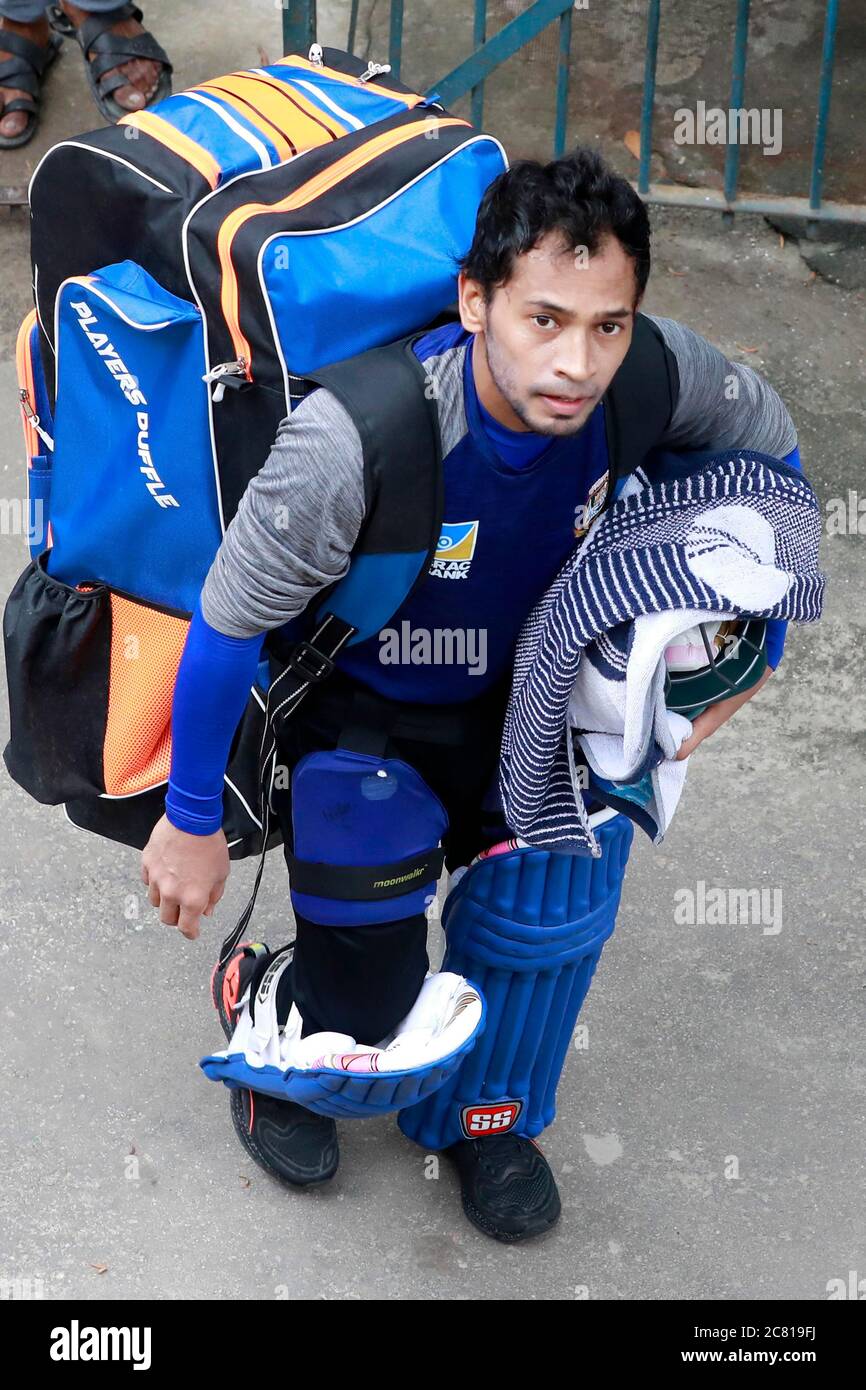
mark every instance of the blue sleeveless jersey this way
{"type": "Point", "coordinates": [506, 532]}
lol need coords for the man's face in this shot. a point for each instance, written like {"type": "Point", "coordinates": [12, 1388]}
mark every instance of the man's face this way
{"type": "Point", "coordinates": [552, 338]}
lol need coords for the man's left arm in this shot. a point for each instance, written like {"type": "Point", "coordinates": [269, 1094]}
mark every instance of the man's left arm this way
{"type": "Point", "coordinates": [724, 404]}
{"type": "Point", "coordinates": [721, 403]}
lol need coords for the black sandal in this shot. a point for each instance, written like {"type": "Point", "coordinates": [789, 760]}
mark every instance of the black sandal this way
{"type": "Point", "coordinates": [25, 70]}
{"type": "Point", "coordinates": [111, 51]}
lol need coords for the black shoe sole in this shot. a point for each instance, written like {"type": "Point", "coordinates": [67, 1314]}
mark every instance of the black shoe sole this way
{"type": "Point", "coordinates": [487, 1227]}
{"type": "Point", "coordinates": [486, 1220]}
{"type": "Point", "coordinates": [320, 1161]}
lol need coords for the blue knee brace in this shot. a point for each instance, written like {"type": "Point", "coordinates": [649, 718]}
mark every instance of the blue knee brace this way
{"type": "Point", "coordinates": [366, 850]}
{"type": "Point", "coordinates": [527, 928]}
{"type": "Point", "coordinates": [366, 836]}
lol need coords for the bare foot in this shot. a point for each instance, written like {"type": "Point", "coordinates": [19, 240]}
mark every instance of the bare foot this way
{"type": "Point", "coordinates": [38, 32]}
{"type": "Point", "coordinates": [143, 74]}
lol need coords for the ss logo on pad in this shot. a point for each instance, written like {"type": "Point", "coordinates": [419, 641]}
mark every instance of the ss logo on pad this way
{"type": "Point", "coordinates": [495, 1118]}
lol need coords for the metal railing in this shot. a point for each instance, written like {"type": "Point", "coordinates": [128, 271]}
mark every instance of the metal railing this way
{"type": "Point", "coordinates": [811, 208]}
{"type": "Point", "coordinates": [299, 28]}
{"type": "Point", "coordinates": [468, 79]}
{"type": "Point", "coordinates": [299, 31]}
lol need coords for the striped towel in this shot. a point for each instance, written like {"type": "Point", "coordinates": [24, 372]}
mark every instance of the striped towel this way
{"type": "Point", "coordinates": [738, 535]}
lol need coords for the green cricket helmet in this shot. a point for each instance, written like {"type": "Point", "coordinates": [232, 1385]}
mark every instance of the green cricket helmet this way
{"type": "Point", "coordinates": [712, 662]}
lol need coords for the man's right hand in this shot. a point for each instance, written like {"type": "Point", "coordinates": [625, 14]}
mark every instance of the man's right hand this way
{"type": "Point", "coordinates": [185, 874]}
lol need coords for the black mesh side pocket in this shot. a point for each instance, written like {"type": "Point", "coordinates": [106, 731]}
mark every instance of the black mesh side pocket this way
{"type": "Point", "coordinates": [58, 647]}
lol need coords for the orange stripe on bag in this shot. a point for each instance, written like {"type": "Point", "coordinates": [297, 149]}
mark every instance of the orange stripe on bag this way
{"type": "Point", "coordinates": [26, 383]}
{"type": "Point", "coordinates": [146, 648]}
{"type": "Point", "coordinates": [287, 109]}
{"type": "Point", "coordinates": [251, 113]}
{"type": "Point", "coordinates": [175, 140]}
{"type": "Point", "coordinates": [327, 179]}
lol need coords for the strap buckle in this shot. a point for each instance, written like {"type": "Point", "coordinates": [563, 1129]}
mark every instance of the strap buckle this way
{"type": "Point", "coordinates": [309, 663]}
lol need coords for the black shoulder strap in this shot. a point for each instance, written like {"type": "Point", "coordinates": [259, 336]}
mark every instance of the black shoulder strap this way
{"type": "Point", "coordinates": [388, 395]}
{"type": "Point", "coordinates": [640, 401]}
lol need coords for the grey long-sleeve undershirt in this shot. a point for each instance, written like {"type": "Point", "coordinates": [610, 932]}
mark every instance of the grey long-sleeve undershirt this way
{"type": "Point", "coordinates": [299, 518]}
{"type": "Point", "coordinates": [296, 523]}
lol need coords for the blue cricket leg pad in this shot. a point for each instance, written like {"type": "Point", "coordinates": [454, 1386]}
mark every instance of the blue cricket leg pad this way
{"type": "Point", "coordinates": [527, 928]}
{"type": "Point", "coordinates": [338, 1093]}
{"type": "Point", "coordinates": [327, 1073]}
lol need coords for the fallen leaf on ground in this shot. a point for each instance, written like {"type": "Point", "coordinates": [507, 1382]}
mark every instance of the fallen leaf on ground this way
{"type": "Point", "coordinates": [631, 140]}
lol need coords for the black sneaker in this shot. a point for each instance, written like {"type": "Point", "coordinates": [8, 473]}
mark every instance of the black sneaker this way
{"type": "Point", "coordinates": [228, 984]}
{"type": "Point", "coordinates": [289, 1141]}
{"type": "Point", "coordinates": [508, 1190]}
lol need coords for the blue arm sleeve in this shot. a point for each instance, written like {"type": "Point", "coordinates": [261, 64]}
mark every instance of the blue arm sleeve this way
{"type": "Point", "coordinates": [210, 695]}
{"type": "Point", "coordinates": [777, 627]}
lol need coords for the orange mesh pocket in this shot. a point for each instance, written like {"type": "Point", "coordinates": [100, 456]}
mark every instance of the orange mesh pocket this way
{"type": "Point", "coordinates": [146, 648]}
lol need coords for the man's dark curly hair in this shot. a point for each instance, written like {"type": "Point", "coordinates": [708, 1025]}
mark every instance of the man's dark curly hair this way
{"type": "Point", "coordinates": [578, 196]}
